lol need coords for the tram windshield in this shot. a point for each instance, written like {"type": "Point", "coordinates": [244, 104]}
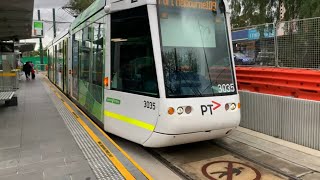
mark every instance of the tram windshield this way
{"type": "Point", "coordinates": [195, 48]}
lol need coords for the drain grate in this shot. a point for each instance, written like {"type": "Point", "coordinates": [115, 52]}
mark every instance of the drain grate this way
{"type": "Point", "coordinates": [99, 163]}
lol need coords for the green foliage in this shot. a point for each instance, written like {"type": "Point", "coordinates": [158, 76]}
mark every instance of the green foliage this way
{"type": "Point", "coordinates": [35, 53]}
{"type": "Point", "coordinates": [253, 12]}
{"type": "Point", "coordinates": [77, 6]}
{"type": "Point", "coordinates": [299, 9]}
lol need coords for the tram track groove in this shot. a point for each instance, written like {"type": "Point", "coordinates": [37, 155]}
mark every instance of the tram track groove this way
{"type": "Point", "coordinates": [185, 176]}
{"type": "Point", "coordinates": [264, 165]}
{"type": "Point", "coordinates": [168, 164]}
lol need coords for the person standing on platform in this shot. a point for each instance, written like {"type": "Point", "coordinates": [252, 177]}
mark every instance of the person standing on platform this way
{"type": "Point", "coordinates": [27, 68]}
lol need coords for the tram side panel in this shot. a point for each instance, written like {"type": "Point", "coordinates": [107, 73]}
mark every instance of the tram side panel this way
{"type": "Point", "coordinates": [85, 66]}
{"type": "Point", "coordinates": [132, 99]}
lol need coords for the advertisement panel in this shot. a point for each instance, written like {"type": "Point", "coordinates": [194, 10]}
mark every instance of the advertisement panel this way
{"type": "Point", "coordinates": [37, 29]}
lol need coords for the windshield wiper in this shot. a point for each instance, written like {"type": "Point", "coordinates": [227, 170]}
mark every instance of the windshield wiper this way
{"type": "Point", "coordinates": [194, 90]}
{"type": "Point", "coordinates": [205, 55]}
{"type": "Point", "coordinates": [224, 68]}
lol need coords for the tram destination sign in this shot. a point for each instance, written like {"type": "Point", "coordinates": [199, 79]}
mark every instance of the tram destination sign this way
{"type": "Point", "coordinates": [204, 5]}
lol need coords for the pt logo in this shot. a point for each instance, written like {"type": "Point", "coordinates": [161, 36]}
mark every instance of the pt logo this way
{"type": "Point", "coordinates": [209, 108]}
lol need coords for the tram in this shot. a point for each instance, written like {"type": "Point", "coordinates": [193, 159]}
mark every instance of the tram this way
{"type": "Point", "coordinates": [158, 73]}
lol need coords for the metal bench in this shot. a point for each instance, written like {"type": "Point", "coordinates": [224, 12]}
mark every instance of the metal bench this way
{"type": "Point", "coordinates": [4, 96]}
{"type": "Point", "coordinates": [9, 98]}
{"type": "Point", "coordinates": [7, 88]}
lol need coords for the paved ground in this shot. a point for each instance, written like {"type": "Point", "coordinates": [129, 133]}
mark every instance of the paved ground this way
{"type": "Point", "coordinates": [245, 155]}
{"type": "Point", "coordinates": [36, 144]}
{"type": "Point", "coordinates": [285, 157]}
{"type": "Point", "coordinates": [34, 141]}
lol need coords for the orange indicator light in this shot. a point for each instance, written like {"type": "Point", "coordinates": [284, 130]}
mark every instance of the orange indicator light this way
{"type": "Point", "coordinates": [170, 110]}
{"type": "Point", "coordinates": [106, 81]}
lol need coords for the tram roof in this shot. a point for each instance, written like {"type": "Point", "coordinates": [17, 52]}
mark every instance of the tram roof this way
{"type": "Point", "coordinates": [16, 19]}
{"type": "Point", "coordinates": [97, 5]}
{"type": "Point", "coordinates": [91, 10]}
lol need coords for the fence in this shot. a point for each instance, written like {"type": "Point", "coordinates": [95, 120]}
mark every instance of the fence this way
{"type": "Point", "coordinates": [255, 42]}
{"type": "Point", "coordinates": [37, 62]}
{"type": "Point", "coordinates": [284, 44]}
{"type": "Point", "coordinates": [291, 119]}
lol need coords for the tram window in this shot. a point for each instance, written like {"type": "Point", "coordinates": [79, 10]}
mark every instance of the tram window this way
{"type": "Point", "coordinates": [85, 53]}
{"type": "Point", "coordinates": [97, 45]}
{"type": "Point", "coordinates": [132, 67]}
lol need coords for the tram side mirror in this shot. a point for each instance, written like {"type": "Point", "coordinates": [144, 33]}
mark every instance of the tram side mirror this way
{"type": "Point", "coordinates": [222, 6]}
{"type": "Point", "coordinates": [107, 9]}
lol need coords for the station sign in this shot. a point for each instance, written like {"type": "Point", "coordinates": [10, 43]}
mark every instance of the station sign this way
{"type": "Point", "coordinates": [37, 29]}
{"type": "Point", "coordinates": [254, 34]}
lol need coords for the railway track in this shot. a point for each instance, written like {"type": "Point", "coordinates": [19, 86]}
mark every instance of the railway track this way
{"type": "Point", "coordinates": [178, 165]}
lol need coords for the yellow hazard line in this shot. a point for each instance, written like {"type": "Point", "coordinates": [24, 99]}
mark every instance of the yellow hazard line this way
{"type": "Point", "coordinates": [122, 169]}
{"type": "Point", "coordinates": [8, 74]}
{"type": "Point", "coordinates": [146, 174]}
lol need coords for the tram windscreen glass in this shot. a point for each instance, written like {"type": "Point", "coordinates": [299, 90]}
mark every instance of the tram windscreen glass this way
{"type": "Point", "coordinates": [195, 48]}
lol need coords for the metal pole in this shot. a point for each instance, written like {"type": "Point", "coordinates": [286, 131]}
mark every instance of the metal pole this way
{"type": "Point", "coordinates": [54, 22]}
{"type": "Point", "coordinates": [40, 39]}
{"type": "Point", "coordinates": [276, 48]}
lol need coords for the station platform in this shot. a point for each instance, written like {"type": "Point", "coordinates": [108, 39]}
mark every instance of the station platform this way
{"type": "Point", "coordinates": [47, 137]}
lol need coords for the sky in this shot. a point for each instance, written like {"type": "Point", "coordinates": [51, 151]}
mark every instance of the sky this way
{"type": "Point", "coordinates": [45, 7]}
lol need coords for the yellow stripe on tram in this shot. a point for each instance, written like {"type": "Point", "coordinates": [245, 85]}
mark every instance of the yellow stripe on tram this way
{"type": "Point", "coordinates": [129, 120]}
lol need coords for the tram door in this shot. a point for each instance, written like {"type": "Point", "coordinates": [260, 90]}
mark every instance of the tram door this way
{"type": "Point", "coordinates": [132, 97]}
{"type": "Point", "coordinates": [65, 65]}
{"type": "Point", "coordinates": [69, 65]}
{"type": "Point", "coordinates": [74, 65]}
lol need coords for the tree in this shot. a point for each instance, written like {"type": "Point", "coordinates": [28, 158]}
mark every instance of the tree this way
{"type": "Point", "coordinates": [253, 12]}
{"type": "Point", "coordinates": [75, 7]}
{"type": "Point", "coordinates": [35, 53]}
{"type": "Point", "coordinates": [299, 46]}
{"type": "Point", "coordinates": [299, 9]}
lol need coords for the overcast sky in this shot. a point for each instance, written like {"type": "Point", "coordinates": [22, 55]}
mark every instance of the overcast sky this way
{"type": "Point", "coordinates": [45, 7]}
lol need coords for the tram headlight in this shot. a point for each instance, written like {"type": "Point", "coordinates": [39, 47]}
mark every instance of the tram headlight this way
{"type": "Point", "coordinates": [227, 106]}
{"type": "Point", "coordinates": [188, 109]}
{"type": "Point", "coordinates": [233, 106]}
{"type": "Point", "coordinates": [180, 110]}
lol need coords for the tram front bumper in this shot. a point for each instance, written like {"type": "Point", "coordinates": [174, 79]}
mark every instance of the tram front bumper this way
{"type": "Point", "coordinates": [163, 140]}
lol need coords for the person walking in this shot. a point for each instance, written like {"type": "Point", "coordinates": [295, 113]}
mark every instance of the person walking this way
{"type": "Point", "coordinates": [33, 72]}
{"type": "Point", "coordinates": [27, 68]}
